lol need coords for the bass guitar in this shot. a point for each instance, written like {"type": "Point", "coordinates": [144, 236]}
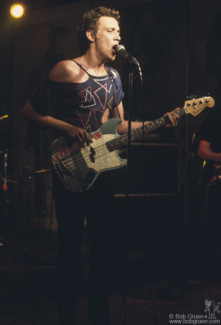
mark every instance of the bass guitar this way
{"type": "Point", "coordinates": [78, 167]}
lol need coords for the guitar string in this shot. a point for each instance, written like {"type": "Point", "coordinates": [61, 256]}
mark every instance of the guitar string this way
{"type": "Point", "coordinates": [187, 111]}
{"type": "Point", "coordinates": [103, 149]}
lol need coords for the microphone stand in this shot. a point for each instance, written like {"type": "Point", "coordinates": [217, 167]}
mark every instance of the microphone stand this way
{"type": "Point", "coordinates": [127, 204]}
{"type": "Point", "coordinates": [129, 131]}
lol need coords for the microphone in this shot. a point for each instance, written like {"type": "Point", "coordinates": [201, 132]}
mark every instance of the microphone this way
{"type": "Point", "coordinates": [120, 49]}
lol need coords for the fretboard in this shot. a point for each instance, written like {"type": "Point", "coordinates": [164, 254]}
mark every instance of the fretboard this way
{"type": "Point", "coordinates": [138, 133]}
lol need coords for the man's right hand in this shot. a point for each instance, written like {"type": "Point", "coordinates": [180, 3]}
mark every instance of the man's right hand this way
{"type": "Point", "coordinates": [75, 133]}
{"type": "Point", "coordinates": [78, 134]}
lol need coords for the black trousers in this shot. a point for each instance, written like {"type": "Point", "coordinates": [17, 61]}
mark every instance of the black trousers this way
{"type": "Point", "coordinates": [98, 206]}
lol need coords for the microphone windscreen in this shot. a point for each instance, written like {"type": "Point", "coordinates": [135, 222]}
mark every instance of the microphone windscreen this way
{"type": "Point", "coordinates": [119, 48]}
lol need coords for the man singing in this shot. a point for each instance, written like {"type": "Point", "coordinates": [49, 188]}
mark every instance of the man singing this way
{"type": "Point", "coordinates": [75, 98]}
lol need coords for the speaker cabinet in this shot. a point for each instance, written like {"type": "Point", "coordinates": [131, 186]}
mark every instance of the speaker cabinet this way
{"type": "Point", "coordinates": [153, 170]}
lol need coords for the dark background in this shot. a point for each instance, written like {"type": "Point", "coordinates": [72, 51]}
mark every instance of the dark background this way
{"type": "Point", "coordinates": [176, 42]}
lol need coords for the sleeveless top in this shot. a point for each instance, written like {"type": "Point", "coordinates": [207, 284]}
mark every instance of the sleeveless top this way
{"type": "Point", "coordinates": [80, 104]}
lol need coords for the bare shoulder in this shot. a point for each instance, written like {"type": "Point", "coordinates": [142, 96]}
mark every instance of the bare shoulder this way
{"type": "Point", "coordinates": [66, 71]}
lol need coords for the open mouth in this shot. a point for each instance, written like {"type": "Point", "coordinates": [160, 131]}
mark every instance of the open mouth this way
{"type": "Point", "coordinates": [114, 49]}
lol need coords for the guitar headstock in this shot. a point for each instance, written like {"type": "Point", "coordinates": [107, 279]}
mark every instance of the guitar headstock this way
{"type": "Point", "coordinates": [195, 106]}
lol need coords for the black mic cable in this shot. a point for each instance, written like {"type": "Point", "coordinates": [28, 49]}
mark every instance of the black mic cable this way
{"type": "Point", "coordinates": [120, 49]}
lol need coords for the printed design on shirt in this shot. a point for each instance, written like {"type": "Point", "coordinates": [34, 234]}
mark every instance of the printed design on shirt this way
{"type": "Point", "coordinates": [82, 119]}
{"type": "Point", "coordinates": [88, 128]}
{"type": "Point", "coordinates": [94, 99]}
{"type": "Point", "coordinates": [102, 92]}
{"type": "Point", "coordinates": [103, 86]}
{"type": "Point", "coordinates": [88, 98]}
{"type": "Point", "coordinates": [109, 103]}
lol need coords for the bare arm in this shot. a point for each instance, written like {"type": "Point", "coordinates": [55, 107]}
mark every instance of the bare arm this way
{"type": "Point", "coordinates": [123, 127]}
{"type": "Point", "coordinates": [78, 134]}
{"type": "Point", "coordinates": [205, 152]}
{"type": "Point", "coordinates": [64, 71]}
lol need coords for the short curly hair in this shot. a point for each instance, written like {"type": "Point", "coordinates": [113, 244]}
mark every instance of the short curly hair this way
{"type": "Point", "coordinates": [90, 21]}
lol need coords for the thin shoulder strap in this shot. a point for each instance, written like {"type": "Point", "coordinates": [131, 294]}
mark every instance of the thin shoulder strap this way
{"type": "Point", "coordinates": [80, 66]}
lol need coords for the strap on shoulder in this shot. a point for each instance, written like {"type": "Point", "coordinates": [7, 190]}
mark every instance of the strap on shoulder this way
{"type": "Point", "coordinates": [80, 66]}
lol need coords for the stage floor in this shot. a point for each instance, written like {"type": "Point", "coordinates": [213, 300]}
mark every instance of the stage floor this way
{"type": "Point", "coordinates": [28, 290]}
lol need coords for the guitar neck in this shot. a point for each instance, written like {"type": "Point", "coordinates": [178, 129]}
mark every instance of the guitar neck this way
{"type": "Point", "coordinates": [138, 133]}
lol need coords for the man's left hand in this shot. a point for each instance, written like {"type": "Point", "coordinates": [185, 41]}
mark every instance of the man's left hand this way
{"type": "Point", "coordinates": [173, 117]}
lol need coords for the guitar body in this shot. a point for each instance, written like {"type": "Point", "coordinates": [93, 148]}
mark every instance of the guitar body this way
{"type": "Point", "coordinates": [78, 167]}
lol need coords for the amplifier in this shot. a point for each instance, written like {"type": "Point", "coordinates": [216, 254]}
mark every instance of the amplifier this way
{"type": "Point", "coordinates": [154, 170]}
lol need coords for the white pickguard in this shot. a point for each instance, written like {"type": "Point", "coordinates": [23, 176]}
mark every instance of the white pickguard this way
{"type": "Point", "coordinates": [104, 159]}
